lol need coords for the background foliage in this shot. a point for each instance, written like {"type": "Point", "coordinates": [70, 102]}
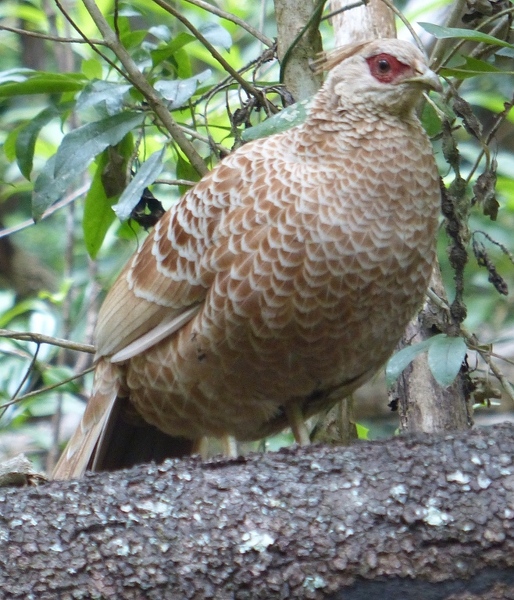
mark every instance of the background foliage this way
{"type": "Point", "coordinates": [85, 109]}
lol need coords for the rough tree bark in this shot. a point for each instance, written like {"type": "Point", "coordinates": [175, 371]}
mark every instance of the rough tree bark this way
{"type": "Point", "coordinates": [415, 517]}
{"type": "Point", "coordinates": [292, 17]}
{"type": "Point", "coordinates": [423, 404]}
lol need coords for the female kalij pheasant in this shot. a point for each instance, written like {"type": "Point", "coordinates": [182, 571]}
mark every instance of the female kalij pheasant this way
{"type": "Point", "coordinates": [280, 283]}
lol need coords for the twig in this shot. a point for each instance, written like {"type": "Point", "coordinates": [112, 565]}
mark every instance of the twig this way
{"type": "Point", "coordinates": [28, 371]}
{"type": "Point", "coordinates": [52, 38]}
{"type": "Point", "coordinates": [15, 398]}
{"type": "Point", "coordinates": [203, 138]}
{"type": "Point", "coordinates": [437, 59]}
{"type": "Point", "coordinates": [441, 45]}
{"type": "Point", "coordinates": [499, 119]}
{"type": "Point", "coordinates": [230, 17]}
{"type": "Point", "coordinates": [93, 46]}
{"type": "Point", "coordinates": [175, 182]}
{"type": "Point", "coordinates": [48, 388]}
{"type": "Point", "coordinates": [140, 82]}
{"type": "Point", "coordinates": [50, 211]}
{"type": "Point", "coordinates": [250, 89]}
{"type": "Point", "coordinates": [473, 344]}
{"type": "Point", "coordinates": [39, 338]}
{"type": "Point", "coordinates": [406, 22]}
{"type": "Point", "coordinates": [228, 81]}
{"type": "Point", "coordinates": [344, 9]}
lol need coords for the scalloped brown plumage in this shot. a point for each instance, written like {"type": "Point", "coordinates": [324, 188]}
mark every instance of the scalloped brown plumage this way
{"type": "Point", "coordinates": [281, 282]}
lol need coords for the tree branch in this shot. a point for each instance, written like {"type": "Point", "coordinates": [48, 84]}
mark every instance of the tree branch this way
{"type": "Point", "coordinates": [39, 338]}
{"type": "Point", "coordinates": [230, 17]}
{"type": "Point", "coordinates": [413, 517]}
{"type": "Point", "coordinates": [52, 38]}
{"type": "Point", "coordinates": [249, 88]}
{"type": "Point", "coordinates": [140, 82]}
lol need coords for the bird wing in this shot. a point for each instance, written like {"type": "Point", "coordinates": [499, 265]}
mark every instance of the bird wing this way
{"type": "Point", "coordinates": [168, 279]}
{"type": "Point", "coordinates": [215, 227]}
{"type": "Point", "coordinates": [164, 285]}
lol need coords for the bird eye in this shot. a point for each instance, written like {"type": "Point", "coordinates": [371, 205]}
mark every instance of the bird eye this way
{"type": "Point", "coordinates": [383, 65]}
{"type": "Point", "coordinates": [386, 68]}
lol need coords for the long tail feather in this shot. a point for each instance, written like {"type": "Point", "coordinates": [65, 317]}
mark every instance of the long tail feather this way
{"type": "Point", "coordinates": [80, 452]}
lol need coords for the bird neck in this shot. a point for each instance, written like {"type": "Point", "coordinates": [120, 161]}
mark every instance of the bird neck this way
{"type": "Point", "coordinates": [351, 129]}
{"type": "Point", "coordinates": [331, 108]}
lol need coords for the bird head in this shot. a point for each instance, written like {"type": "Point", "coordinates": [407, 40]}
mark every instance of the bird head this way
{"type": "Point", "coordinates": [390, 73]}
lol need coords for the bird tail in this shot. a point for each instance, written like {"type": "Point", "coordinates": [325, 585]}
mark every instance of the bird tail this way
{"type": "Point", "coordinates": [109, 437]}
{"type": "Point", "coordinates": [80, 452]}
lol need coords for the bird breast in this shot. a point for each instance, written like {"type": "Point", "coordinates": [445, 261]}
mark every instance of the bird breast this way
{"type": "Point", "coordinates": [313, 251]}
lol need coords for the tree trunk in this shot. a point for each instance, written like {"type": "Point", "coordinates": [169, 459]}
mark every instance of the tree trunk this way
{"type": "Point", "coordinates": [414, 517]}
{"type": "Point", "coordinates": [295, 53]}
{"type": "Point", "coordinates": [366, 22]}
{"type": "Point", "coordinates": [423, 404]}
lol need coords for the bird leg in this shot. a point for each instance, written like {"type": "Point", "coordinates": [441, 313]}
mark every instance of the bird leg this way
{"type": "Point", "coordinates": [296, 422]}
{"type": "Point", "coordinates": [229, 445]}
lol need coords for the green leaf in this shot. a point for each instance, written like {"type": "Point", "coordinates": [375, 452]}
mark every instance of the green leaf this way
{"type": "Point", "coordinates": [43, 83]}
{"type": "Point", "coordinates": [75, 154]}
{"type": "Point", "coordinates": [471, 68]}
{"type": "Point", "coordinates": [79, 147]}
{"type": "Point", "coordinates": [362, 432]}
{"type": "Point", "coordinates": [160, 54]}
{"type": "Point", "coordinates": [445, 357]}
{"type": "Point", "coordinates": [98, 214]}
{"type": "Point", "coordinates": [107, 93]}
{"type": "Point", "coordinates": [48, 188]}
{"type": "Point", "coordinates": [9, 145]}
{"type": "Point", "coordinates": [178, 91]}
{"type": "Point", "coordinates": [181, 40]}
{"type": "Point", "coordinates": [146, 175]}
{"type": "Point", "coordinates": [56, 374]}
{"type": "Point", "coordinates": [402, 359]}
{"type": "Point", "coordinates": [20, 308]}
{"type": "Point", "coordinates": [288, 117]}
{"type": "Point", "coordinates": [431, 120]}
{"type": "Point", "coordinates": [106, 187]}
{"type": "Point", "coordinates": [92, 68]}
{"type": "Point", "coordinates": [133, 39]}
{"type": "Point", "coordinates": [185, 170]}
{"type": "Point", "coordinates": [464, 34]}
{"type": "Point", "coordinates": [182, 62]}
{"type": "Point", "coordinates": [216, 35]}
{"type": "Point", "coordinates": [26, 140]}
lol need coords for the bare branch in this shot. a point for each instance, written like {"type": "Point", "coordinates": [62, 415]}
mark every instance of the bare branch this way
{"type": "Point", "coordinates": [140, 82]}
{"type": "Point", "coordinates": [39, 338]}
{"type": "Point", "coordinates": [52, 38]}
{"type": "Point", "coordinates": [230, 17]}
{"type": "Point", "coordinates": [48, 388]}
{"type": "Point", "coordinates": [175, 182]}
{"type": "Point", "coordinates": [50, 211]}
{"type": "Point", "coordinates": [250, 89]}
{"type": "Point", "coordinates": [413, 517]}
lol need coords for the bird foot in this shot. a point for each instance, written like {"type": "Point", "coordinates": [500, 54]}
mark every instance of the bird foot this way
{"type": "Point", "coordinates": [297, 424]}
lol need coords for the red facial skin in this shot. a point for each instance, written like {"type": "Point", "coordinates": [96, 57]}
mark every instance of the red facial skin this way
{"type": "Point", "coordinates": [387, 68]}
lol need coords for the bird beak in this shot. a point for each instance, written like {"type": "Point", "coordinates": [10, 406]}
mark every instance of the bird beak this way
{"type": "Point", "coordinates": [426, 78]}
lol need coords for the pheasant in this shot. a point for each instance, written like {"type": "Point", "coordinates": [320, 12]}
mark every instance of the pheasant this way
{"type": "Point", "coordinates": [280, 283]}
